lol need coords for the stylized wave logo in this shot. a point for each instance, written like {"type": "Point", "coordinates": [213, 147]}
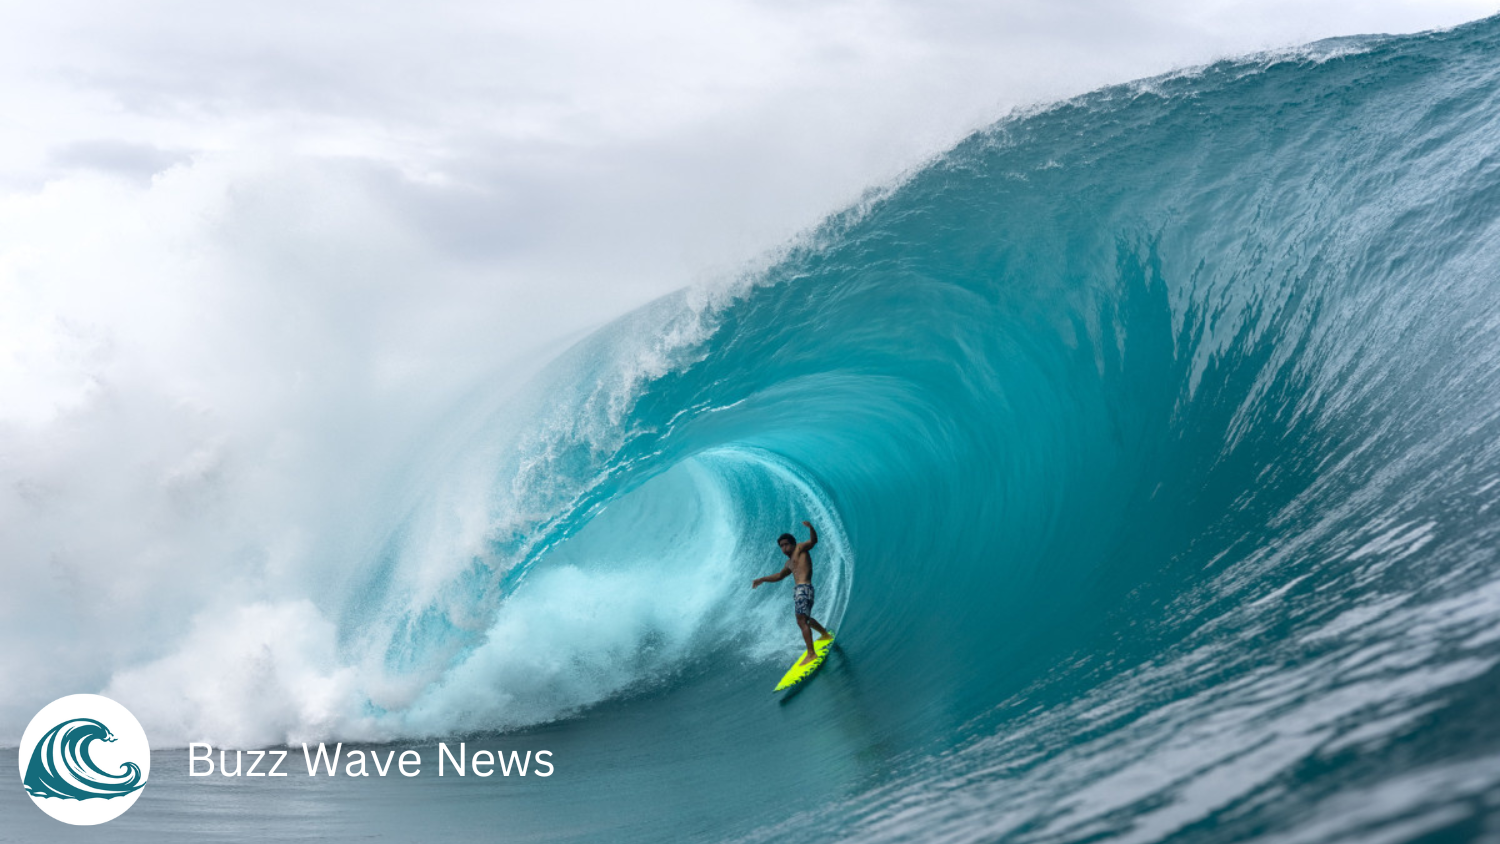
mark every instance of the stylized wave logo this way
{"type": "Point", "coordinates": [61, 766]}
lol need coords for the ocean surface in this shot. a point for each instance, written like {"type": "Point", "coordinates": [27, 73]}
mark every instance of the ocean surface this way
{"type": "Point", "coordinates": [1154, 442]}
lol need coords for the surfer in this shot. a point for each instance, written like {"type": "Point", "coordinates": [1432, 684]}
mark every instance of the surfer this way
{"type": "Point", "coordinates": [799, 566]}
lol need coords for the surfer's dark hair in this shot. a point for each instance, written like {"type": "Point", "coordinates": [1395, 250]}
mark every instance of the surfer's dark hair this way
{"type": "Point", "coordinates": [786, 537]}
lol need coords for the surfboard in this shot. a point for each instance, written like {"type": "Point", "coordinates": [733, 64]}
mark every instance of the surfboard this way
{"type": "Point", "coordinates": [801, 671]}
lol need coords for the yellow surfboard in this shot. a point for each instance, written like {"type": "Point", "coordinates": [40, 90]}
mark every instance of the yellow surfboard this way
{"type": "Point", "coordinates": [800, 670]}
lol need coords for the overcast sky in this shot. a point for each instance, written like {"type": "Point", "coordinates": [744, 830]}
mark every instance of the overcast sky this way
{"type": "Point", "coordinates": [249, 252]}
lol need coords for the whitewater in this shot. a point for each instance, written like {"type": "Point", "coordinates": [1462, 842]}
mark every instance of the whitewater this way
{"type": "Point", "coordinates": [1154, 441]}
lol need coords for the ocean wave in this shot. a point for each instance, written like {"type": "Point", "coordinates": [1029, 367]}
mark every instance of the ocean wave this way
{"type": "Point", "coordinates": [1152, 439]}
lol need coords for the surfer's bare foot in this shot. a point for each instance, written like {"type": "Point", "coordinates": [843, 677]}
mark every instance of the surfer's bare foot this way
{"type": "Point", "coordinates": [809, 658]}
{"type": "Point", "coordinates": [825, 637]}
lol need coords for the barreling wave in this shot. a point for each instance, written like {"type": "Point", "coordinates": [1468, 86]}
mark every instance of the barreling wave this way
{"type": "Point", "coordinates": [61, 767]}
{"type": "Point", "coordinates": [1153, 437]}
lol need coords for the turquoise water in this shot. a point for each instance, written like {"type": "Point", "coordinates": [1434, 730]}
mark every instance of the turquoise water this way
{"type": "Point", "coordinates": [1154, 438]}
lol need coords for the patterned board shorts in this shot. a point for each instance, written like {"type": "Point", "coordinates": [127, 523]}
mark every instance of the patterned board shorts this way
{"type": "Point", "coordinates": [802, 598]}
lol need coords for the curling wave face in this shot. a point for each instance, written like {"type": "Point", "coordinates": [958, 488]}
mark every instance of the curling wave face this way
{"type": "Point", "coordinates": [1153, 440]}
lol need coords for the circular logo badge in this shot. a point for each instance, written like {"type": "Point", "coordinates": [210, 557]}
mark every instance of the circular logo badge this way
{"type": "Point", "coordinates": [84, 759]}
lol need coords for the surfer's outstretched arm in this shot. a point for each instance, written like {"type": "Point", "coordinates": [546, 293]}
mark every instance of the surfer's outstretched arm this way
{"type": "Point", "coordinates": [812, 538]}
{"type": "Point", "coordinates": [771, 578]}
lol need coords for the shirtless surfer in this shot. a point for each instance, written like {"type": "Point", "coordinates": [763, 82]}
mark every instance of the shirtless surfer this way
{"type": "Point", "coordinates": [799, 566]}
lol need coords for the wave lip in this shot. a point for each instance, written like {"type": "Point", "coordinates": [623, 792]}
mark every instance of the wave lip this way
{"type": "Point", "coordinates": [62, 767]}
